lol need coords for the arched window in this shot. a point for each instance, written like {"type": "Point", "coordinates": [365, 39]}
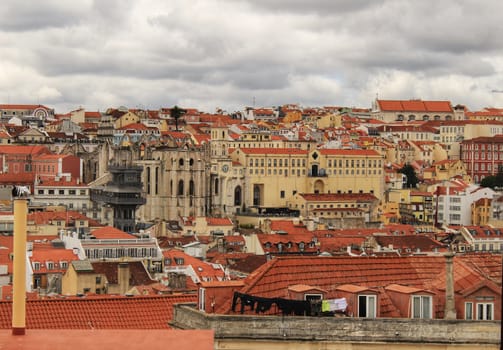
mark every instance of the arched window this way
{"type": "Point", "coordinates": [191, 162]}
{"type": "Point", "coordinates": [180, 162]}
{"type": "Point", "coordinates": [237, 195]}
{"type": "Point", "coordinates": [426, 117]}
{"type": "Point", "coordinates": [400, 117]}
{"type": "Point", "coordinates": [412, 117]}
{"type": "Point", "coordinates": [148, 180]}
{"type": "Point", "coordinates": [191, 188]}
{"type": "Point", "coordinates": [180, 188]}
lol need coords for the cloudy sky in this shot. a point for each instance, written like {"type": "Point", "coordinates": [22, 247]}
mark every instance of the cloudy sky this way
{"type": "Point", "coordinates": [234, 53]}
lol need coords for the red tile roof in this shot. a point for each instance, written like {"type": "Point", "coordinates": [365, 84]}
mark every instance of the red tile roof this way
{"type": "Point", "coordinates": [415, 106]}
{"type": "Point", "coordinates": [18, 106]}
{"type": "Point", "coordinates": [108, 339]}
{"type": "Point", "coordinates": [12, 149]}
{"type": "Point", "coordinates": [138, 273]}
{"type": "Point", "coordinates": [272, 151]}
{"type": "Point", "coordinates": [205, 271]}
{"type": "Point", "coordinates": [349, 152]}
{"type": "Point", "coordinates": [219, 221]}
{"type": "Point", "coordinates": [109, 232]}
{"type": "Point", "coordinates": [141, 312]}
{"type": "Point", "coordinates": [334, 197]}
{"type": "Point", "coordinates": [273, 279]}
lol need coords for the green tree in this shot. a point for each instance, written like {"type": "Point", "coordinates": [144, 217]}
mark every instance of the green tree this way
{"type": "Point", "coordinates": [176, 113]}
{"type": "Point", "coordinates": [410, 173]}
{"type": "Point", "coordinates": [493, 181]}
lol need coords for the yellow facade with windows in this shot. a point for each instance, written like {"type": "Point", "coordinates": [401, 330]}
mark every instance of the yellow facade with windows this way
{"type": "Point", "coordinates": [274, 175]}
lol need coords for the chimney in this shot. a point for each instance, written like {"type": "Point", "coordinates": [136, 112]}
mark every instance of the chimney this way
{"type": "Point", "coordinates": [19, 270]}
{"type": "Point", "coordinates": [450, 308]}
{"type": "Point", "coordinates": [123, 277]}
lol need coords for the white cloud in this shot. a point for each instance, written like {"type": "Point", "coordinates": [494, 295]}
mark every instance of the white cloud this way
{"type": "Point", "coordinates": [223, 53]}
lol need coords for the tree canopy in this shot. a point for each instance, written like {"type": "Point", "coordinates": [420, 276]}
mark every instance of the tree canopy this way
{"type": "Point", "coordinates": [410, 173]}
{"type": "Point", "coordinates": [176, 113]}
{"type": "Point", "coordinates": [493, 181]}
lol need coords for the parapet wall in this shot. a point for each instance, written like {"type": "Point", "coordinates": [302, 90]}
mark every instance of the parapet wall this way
{"type": "Point", "coordinates": [298, 328]}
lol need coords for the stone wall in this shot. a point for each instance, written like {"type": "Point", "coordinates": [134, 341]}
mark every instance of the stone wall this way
{"type": "Point", "coordinates": [443, 333]}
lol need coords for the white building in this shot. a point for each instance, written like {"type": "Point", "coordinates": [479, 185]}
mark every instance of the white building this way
{"type": "Point", "coordinates": [455, 200]}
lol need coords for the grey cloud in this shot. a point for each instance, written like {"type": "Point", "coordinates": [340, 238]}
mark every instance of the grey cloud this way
{"type": "Point", "coordinates": [37, 15]}
{"type": "Point", "coordinates": [321, 7]}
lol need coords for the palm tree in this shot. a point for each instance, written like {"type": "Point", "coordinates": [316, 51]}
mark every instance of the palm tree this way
{"type": "Point", "coordinates": [176, 113]}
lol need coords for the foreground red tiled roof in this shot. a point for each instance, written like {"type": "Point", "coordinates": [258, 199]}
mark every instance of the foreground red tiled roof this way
{"type": "Point", "coordinates": [273, 278]}
{"type": "Point", "coordinates": [142, 312]}
{"type": "Point", "coordinates": [130, 339]}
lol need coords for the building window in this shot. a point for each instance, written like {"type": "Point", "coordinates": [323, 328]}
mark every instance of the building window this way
{"type": "Point", "coordinates": [469, 311]}
{"type": "Point", "coordinates": [98, 279]}
{"type": "Point", "coordinates": [310, 297]}
{"type": "Point", "coordinates": [282, 194]}
{"type": "Point", "coordinates": [237, 195]}
{"type": "Point", "coordinates": [50, 265]}
{"type": "Point", "coordinates": [202, 297]}
{"type": "Point", "coordinates": [180, 188]}
{"type": "Point", "coordinates": [367, 306]}
{"type": "Point", "coordinates": [485, 311]}
{"type": "Point", "coordinates": [421, 306]}
{"type": "Point", "coordinates": [36, 266]}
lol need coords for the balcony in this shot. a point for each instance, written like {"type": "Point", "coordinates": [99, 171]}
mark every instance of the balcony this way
{"type": "Point", "coordinates": [317, 173]}
{"type": "Point", "coordinates": [117, 198]}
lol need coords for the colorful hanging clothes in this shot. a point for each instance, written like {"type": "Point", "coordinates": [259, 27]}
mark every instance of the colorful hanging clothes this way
{"type": "Point", "coordinates": [331, 305]}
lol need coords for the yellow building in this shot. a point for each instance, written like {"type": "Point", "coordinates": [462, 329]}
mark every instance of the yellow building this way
{"type": "Point", "coordinates": [274, 175]}
{"type": "Point", "coordinates": [126, 119]}
{"type": "Point", "coordinates": [80, 278]}
{"type": "Point", "coordinates": [329, 120]}
{"type": "Point", "coordinates": [445, 170]}
{"type": "Point", "coordinates": [337, 210]}
{"type": "Point", "coordinates": [417, 208]}
{"type": "Point", "coordinates": [481, 212]}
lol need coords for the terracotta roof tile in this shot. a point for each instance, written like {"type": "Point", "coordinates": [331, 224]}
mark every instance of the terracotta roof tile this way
{"type": "Point", "coordinates": [273, 151]}
{"type": "Point", "coordinates": [109, 232]}
{"type": "Point", "coordinates": [142, 312]}
{"type": "Point", "coordinates": [350, 152]}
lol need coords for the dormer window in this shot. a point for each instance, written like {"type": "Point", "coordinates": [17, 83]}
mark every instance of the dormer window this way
{"type": "Point", "coordinates": [63, 264]}
{"type": "Point", "coordinates": [50, 265]}
{"type": "Point", "coordinates": [421, 306]}
{"type": "Point", "coordinates": [36, 266]}
{"type": "Point", "coordinates": [367, 306]}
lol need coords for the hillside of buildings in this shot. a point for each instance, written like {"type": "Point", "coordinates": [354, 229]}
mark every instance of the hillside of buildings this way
{"type": "Point", "coordinates": [287, 209]}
